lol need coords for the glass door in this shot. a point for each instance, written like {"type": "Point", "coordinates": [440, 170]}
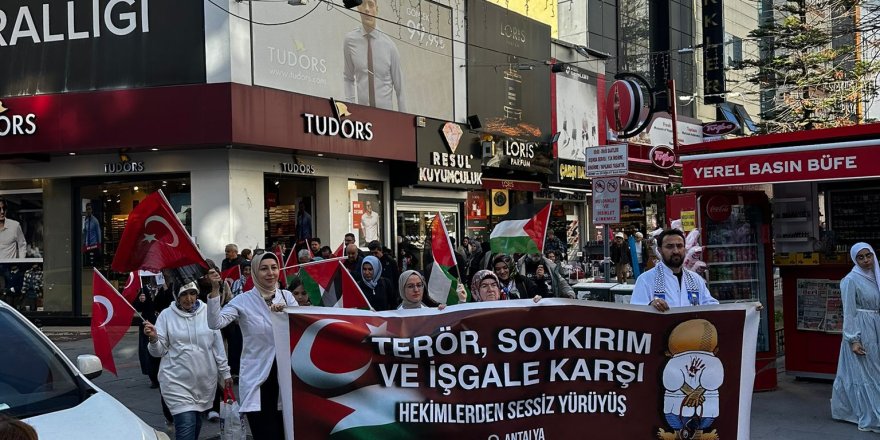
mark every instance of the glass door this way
{"type": "Point", "coordinates": [414, 229]}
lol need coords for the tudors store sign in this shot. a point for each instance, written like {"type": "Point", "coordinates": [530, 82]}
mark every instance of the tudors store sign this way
{"type": "Point", "coordinates": [788, 164]}
{"type": "Point", "coordinates": [447, 157]}
{"type": "Point", "coordinates": [12, 124]}
{"type": "Point", "coordinates": [338, 124]}
{"type": "Point", "coordinates": [296, 168]}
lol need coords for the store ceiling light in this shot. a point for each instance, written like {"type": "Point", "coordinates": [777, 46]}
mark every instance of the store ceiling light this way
{"type": "Point", "coordinates": [136, 187]}
{"type": "Point", "coordinates": [320, 154]}
{"type": "Point", "coordinates": [154, 149]}
{"type": "Point", "coordinates": [105, 191]}
{"type": "Point", "coordinates": [72, 153]}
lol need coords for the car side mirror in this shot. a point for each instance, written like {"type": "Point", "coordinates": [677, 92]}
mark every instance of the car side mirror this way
{"type": "Point", "coordinates": [89, 365]}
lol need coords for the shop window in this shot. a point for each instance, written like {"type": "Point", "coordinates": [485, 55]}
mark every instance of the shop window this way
{"type": "Point", "coordinates": [21, 247]}
{"type": "Point", "coordinates": [366, 212]}
{"type": "Point", "coordinates": [103, 210]}
{"type": "Point", "coordinates": [414, 231]}
{"type": "Point", "coordinates": [290, 208]}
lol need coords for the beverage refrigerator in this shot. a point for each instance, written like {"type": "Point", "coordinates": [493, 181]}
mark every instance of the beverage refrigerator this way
{"type": "Point", "coordinates": [738, 251]}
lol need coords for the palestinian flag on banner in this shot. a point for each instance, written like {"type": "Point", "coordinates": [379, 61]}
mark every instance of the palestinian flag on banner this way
{"type": "Point", "coordinates": [328, 283]}
{"type": "Point", "coordinates": [522, 230]}
{"type": "Point", "coordinates": [442, 285]}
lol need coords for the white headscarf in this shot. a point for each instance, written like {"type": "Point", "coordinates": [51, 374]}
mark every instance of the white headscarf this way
{"type": "Point", "coordinates": [873, 275]}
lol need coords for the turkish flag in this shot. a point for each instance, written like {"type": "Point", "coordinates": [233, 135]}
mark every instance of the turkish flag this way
{"type": "Point", "coordinates": [111, 318]}
{"type": "Point", "coordinates": [233, 273]}
{"type": "Point", "coordinates": [132, 287]}
{"type": "Point", "coordinates": [154, 239]}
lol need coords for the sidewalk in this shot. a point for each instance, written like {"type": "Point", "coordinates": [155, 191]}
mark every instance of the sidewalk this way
{"type": "Point", "coordinates": [797, 410]}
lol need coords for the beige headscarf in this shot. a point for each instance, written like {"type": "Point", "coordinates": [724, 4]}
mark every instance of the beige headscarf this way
{"type": "Point", "coordinates": [266, 291]}
{"type": "Point", "coordinates": [401, 282]}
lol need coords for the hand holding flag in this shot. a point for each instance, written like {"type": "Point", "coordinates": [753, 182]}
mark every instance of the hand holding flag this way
{"type": "Point", "coordinates": [442, 285]}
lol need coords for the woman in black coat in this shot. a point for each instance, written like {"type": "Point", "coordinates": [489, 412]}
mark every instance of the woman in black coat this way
{"type": "Point", "coordinates": [378, 290]}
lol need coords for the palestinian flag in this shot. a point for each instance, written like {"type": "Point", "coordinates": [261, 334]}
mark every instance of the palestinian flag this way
{"type": "Point", "coordinates": [442, 285]}
{"type": "Point", "coordinates": [328, 283]}
{"type": "Point", "coordinates": [522, 230]}
{"type": "Point", "coordinates": [340, 251]}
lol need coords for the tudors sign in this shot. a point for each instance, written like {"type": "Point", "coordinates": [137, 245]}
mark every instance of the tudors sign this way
{"type": "Point", "coordinates": [338, 124]}
{"type": "Point", "coordinates": [447, 156]}
{"type": "Point", "coordinates": [13, 124]}
{"type": "Point", "coordinates": [612, 371]}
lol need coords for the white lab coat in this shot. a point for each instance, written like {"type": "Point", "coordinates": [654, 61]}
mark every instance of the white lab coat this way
{"type": "Point", "coordinates": [258, 352]}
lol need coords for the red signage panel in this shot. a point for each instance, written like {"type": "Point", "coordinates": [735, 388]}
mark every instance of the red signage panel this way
{"type": "Point", "coordinates": [786, 165]}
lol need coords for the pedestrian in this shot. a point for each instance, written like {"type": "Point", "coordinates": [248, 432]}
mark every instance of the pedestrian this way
{"type": "Point", "coordinates": [669, 284]}
{"type": "Point", "coordinates": [856, 392]}
{"type": "Point", "coordinates": [353, 260]}
{"type": "Point", "coordinates": [389, 266]}
{"type": "Point", "coordinates": [238, 285]}
{"type": "Point", "coordinates": [513, 285]}
{"type": "Point", "coordinates": [193, 359]}
{"type": "Point", "coordinates": [14, 429]}
{"type": "Point", "coordinates": [546, 275]}
{"type": "Point", "coordinates": [485, 286]}
{"type": "Point", "coordinates": [621, 258]}
{"type": "Point", "coordinates": [246, 255]}
{"type": "Point", "coordinates": [144, 305]}
{"type": "Point", "coordinates": [412, 290]}
{"type": "Point", "coordinates": [231, 258]}
{"type": "Point", "coordinates": [376, 288]}
{"type": "Point", "coordinates": [258, 382]}
{"type": "Point", "coordinates": [642, 254]}
{"type": "Point", "coordinates": [299, 292]}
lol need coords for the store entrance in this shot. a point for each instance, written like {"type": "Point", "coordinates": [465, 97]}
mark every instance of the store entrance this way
{"type": "Point", "coordinates": [414, 229]}
{"type": "Point", "coordinates": [100, 212]}
{"type": "Point", "coordinates": [290, 208]}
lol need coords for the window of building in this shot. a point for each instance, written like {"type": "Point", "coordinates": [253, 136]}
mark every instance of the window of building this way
{"type": "Point", "coordinates": [367, 211]}
{"type": "Point", "coordinates": [290, 209]}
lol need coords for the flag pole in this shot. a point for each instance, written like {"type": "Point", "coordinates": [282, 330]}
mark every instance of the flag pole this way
{"type": "Point", "coordinates": [119, 294]}
{"type": "Point", "coordinates": [457, 268]}
{"type": "Point", "coordinates": [313, 262]}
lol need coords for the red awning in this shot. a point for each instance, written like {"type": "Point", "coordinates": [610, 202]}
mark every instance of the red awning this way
{"type": "Point", "coordinates": [804, 163]}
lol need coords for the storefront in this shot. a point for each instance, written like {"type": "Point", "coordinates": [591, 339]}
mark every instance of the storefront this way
{"type": "Point", "coordinates": [569, 189]}
{"type": "Point", "coordinates": [448, 159]}
{"type": "Point", "coordinates": [269, 176]}
{"type": "Point", "coordinates": [823, 196]}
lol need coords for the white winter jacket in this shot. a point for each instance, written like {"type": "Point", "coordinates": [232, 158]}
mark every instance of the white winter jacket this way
{"type": "Point", "coordinates": [193, 359]}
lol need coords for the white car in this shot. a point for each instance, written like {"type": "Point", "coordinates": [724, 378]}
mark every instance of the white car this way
{"type": "Point", "coordinates": [39, 385]}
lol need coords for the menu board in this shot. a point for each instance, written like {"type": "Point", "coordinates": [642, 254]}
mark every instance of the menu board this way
{"type": "Point", "coordinates": [819, 307]}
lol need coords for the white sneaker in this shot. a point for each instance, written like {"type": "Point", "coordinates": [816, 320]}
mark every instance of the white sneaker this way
{"type": "Point", "coordinates": [213, 416]}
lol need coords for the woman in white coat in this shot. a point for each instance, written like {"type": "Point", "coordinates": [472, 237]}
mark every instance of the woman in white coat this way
{"type": "Point", "coordinates": [193, 360]}
{"type": "Point", "coordinates": [258, 380]}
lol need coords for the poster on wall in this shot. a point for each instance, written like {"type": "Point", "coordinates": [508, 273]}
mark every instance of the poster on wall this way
{"type": "Point", "coordinates": [21, 215]}
{"type": "Point", "coordinates": [406, 45]}
{"type": "Point", "coordinates": [577, 113]}
{"type": "Point", "coordinates": [366, 222]}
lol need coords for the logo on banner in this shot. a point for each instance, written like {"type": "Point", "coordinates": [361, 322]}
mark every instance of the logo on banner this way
{"type": "Point", "coordinates": [718, 208]}
{"type": "Point", "coordinates": [12, 125]}
{"type": "Point", "coordinates": [662, 156]}
{"type": "Point", "coordinates": [339, 124]}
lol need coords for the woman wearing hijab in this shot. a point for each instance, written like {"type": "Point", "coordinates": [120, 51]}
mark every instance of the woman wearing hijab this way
{"type": "Point", "coordinates": [513, 285]}
{"type": "Point", "coordinates": [412, 290]}
{"type": "Point", "coordinates": [855, 396]}
{"type": "Point", "coordinates": [377, 289]}
{"type": "Point", "coordinates": [258, 382]}
{"type": "Point", "coordinates": [486, 286]}
{"type": "Point", "coordinates": [193, 360]}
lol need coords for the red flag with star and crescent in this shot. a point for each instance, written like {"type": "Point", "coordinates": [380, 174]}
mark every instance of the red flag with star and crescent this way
{"type": "Point", "coordinates": [154, 239]}
{"type": "Point", "coordinates": [111, 318]}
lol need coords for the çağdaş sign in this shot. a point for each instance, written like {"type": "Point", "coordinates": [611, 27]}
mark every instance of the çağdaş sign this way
{"type": "Point", "coordinates": [607, 160]}
{"type": "Point", "coordinates": [815, 163]}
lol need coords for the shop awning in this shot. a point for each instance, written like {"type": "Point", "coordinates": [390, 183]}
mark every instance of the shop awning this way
{"type": "Point", "coordinates": [803, 163]}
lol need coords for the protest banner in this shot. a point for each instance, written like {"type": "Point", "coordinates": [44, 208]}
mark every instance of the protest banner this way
{"type": "Point", "coordinates": [558, 369]}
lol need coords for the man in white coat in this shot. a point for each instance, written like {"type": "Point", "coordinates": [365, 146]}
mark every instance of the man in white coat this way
{"type": "Point", "coordinates": [669, 284]}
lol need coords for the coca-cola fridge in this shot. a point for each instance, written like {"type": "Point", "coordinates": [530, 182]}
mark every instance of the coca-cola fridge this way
{"type": "Point", "coordinates": [737, 249]}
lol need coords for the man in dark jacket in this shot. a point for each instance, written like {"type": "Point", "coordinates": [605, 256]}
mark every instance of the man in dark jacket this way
{"type": "Point", "coordinates": [620, 256]}
{"type": "Point", "coordinates": [389, 266]}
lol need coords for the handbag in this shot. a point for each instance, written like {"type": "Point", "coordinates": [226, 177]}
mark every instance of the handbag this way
{"type": "Point", "coordinates": [232, 424]}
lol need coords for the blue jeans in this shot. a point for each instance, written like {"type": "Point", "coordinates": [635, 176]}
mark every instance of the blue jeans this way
{"type": "Point", "coordinates": [187, 425]}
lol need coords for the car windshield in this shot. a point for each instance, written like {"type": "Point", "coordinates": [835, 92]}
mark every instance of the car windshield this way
{"type": "Point", "coordinates": [33, 379]}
